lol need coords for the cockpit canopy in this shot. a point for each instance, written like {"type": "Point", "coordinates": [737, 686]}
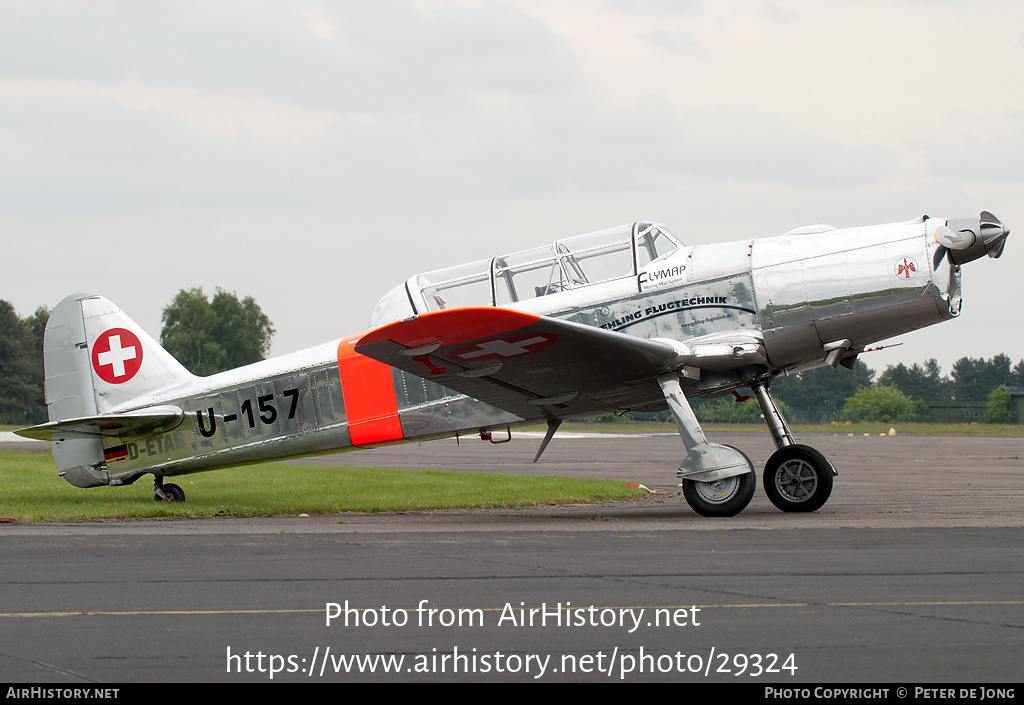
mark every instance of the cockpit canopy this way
{"type": "Point", "coordinates": [567, 264]}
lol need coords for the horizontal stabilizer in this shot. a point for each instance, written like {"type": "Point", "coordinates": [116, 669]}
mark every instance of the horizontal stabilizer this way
{"type": "Point", "coordinates": [142, 422]}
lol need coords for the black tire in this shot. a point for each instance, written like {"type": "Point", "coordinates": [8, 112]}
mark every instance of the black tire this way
{"type": "Point", "coordinates": [173, 492]}
{"type": "Point", "coordinates": [798, 478]}
{"type": "Point", "coordinates": [722, 498]}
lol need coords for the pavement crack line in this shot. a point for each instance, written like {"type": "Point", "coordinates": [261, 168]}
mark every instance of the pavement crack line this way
{"type": "Point", "coordinates": [936, 617]}
{"type": "Point", "coordinates": [50, 667]}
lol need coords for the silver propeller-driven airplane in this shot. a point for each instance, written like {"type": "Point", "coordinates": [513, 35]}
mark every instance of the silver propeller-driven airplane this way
{"type": "Point", "coordinates": [626, 319]}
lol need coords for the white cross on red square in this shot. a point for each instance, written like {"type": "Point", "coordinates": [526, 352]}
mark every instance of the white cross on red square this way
{"type": "Point", "coordinates": [117, 355]}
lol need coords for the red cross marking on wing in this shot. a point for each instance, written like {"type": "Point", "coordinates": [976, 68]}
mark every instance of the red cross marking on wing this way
{"type": "Point", "coordinates": [504, 347]}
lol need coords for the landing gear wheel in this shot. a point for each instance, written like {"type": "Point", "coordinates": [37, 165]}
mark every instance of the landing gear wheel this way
{"type": "Point", "coordinates": [721, 498]}
{"type": "Point", "coordinates": [172, 493]}
{"type": "Point", "coordinates": [798, 478]}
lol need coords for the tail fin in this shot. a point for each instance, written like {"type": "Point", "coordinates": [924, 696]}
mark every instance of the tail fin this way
{"type": "Point", "coordinates": [98, 360]}
{"type": "Point", "coordinates": [98, 363]}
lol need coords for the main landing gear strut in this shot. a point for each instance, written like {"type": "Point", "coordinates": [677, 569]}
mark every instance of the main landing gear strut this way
{"type": "Point", "coordinates": [797, 478]}
{"type": "Point", "coordinates": [719, 480]}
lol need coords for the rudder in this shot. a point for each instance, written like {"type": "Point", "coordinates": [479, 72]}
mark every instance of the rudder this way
{"type": "Point", "coordinates": [98, 361]}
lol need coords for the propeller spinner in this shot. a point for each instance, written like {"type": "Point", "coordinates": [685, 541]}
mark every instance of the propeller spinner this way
{"type": "Point", "coordinates": [968, 239]}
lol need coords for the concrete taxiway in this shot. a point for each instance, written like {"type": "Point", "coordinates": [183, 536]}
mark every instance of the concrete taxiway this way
{"type": "Point", "coordinates": [912, 573]}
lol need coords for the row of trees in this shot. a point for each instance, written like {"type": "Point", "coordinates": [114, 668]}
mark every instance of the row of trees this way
{"type": "Point", "coordinates": [901, 393]}
{"type": "Point", "coordinates": [21, 366]}
{"type": "Point", "coordinates": [210, 336]}
{"type": "Point", "coordinates": [970, 379]}
{"type": "Point", "coordinates": [206, 336]}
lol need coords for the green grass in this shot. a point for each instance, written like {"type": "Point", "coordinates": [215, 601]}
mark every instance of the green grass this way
{"type": "Point", "coordinates": [31, 490]}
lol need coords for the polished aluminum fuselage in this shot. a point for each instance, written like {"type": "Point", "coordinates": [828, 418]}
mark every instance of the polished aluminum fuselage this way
{"type": "Point", "coordinates": [796, 298]}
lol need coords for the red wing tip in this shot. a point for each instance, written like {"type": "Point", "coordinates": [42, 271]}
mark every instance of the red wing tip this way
{"type": "Point", "coordinates": [451, 326]}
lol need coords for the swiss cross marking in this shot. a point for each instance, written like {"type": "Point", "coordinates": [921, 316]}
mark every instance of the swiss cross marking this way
{"type": "Point", "coordinates": [509, 346]}
{"type": "Point", "coordinates": [117, 355]}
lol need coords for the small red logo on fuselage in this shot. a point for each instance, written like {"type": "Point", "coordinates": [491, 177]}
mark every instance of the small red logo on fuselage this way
{"type": "Point", "coordinates": [905, 268]}
{"type": "Point", "coordinates": [117, 355]}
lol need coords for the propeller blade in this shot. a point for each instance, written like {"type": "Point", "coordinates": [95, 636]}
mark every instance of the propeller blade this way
{"type": "Point", "coordinates": [953, 239]}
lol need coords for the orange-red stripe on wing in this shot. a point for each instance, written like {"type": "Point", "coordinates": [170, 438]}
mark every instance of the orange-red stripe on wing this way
{"type": "Point", "coordinates": [369, 392]}
{"type": "Point", "coordinates": [451, 326]}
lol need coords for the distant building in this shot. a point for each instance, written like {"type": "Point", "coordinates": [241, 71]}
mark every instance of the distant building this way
{"type": "Point", "coordinates": [971, 411]}
{"type": "Point", "coordinates": [957, 411]}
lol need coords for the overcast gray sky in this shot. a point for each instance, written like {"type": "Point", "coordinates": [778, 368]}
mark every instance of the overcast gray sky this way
{"type": "Point", "coordinates": [315, 154]}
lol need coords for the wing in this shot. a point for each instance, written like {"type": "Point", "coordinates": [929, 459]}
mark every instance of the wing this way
{"type": "Point", "coordinates": [532, 366]}
{"type": "Point", "coordinates": [143, 422]}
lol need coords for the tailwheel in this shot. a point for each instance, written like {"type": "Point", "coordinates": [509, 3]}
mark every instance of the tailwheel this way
{"type": "Point", "coordinates": [721, 498]}
{"type": "Point", "coordinates": [168, 492]}
{"type": "Point", "coordinates": [797, 478]}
